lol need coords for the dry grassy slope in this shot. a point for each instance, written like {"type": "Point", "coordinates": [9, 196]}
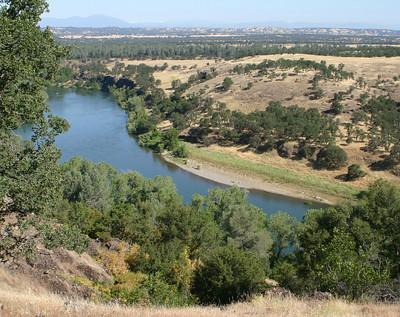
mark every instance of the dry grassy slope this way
{"type": "Point", "coordinates": [291, 91]}
{"type": "Point", "coordinates": [19, 297]}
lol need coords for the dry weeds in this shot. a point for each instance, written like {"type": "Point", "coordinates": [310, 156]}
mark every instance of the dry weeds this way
{"type": "Point", "coordinates": [26, 303]}
{"type": "Point", "coordinates": [19, 298]}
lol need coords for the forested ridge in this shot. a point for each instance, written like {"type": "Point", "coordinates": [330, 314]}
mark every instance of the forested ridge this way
{"type": "Point", "coordinates": [148, 49]}
{"type": "Point", "coordinates": [217, 249]}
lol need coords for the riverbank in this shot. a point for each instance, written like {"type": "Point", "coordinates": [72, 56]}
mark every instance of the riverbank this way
{"type": "Point", "coordinates": [229, 169]}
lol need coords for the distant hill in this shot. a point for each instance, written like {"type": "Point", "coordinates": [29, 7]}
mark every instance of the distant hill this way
{"type": "Point", "coordinates": [103, 21]}
{"type": "Point", "coordinates": [94, 21]}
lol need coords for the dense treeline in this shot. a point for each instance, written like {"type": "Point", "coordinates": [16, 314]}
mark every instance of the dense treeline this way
{"type": "Point", "coordinates": [219, 248]}
{"type": "Point", "coordinates": [138, 49]}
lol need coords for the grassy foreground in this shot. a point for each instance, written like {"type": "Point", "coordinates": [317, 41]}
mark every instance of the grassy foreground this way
{"type": "Point", "coordinates": [273, 174]}
{"type": "Point", "coordinates": [22, 297]}
{"type": "Point", "coordinates": [21, 304]}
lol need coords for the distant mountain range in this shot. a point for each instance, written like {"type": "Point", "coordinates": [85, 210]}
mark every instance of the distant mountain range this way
{"type": "Point", "coordinates": [103, 21]}
{"type": "Point", "coordinates": [94, 21]}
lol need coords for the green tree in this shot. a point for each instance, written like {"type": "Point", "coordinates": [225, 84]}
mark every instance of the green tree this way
{"type": "Point", "coordinates": [228, 275]}
{"type": "Point", "coordinates": [337, 107]}
{"type": "Point", "coordinates": [243, 225]}
{"type": "Point", "coordinates": [227, 83]}
{"type": "Point", "coordinates": [346, 272]}
{"type": "Point", "coordinates": [331, 157]}
{"type": "Point", "coordinates": [283, 229]}
{"type": "Point", "coordinates": [354, 172]}
{"type": "Point", "coordinates": [29, 58]}
{"type": "Point", "coordinates": [88, 183]}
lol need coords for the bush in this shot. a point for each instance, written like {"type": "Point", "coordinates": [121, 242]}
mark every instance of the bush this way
{"type": "Point", "coordinates": [227, 84]}
{"type": "Point", "coordinates": [396, 170]}
{"type": "Point", "coordinates": [331, 157]}
{"type": "Point", "coordinates": [63, 236]}
{"type": "Point", "coordinates": [337, 108]}
{"type": "Point", "coordinates": [227, 275]}
{"type": "Point", "coordinates": [354, 172]}
{"type": "Point", "coordinates": [151, 290]}
{"type": "Point", "coordinates": [306, 151]}
{"type": "Point", "coordinates": [181, 151]}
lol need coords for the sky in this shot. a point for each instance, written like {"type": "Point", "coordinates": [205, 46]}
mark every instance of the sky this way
{"type": "Point", "coordinates": [365, 12]}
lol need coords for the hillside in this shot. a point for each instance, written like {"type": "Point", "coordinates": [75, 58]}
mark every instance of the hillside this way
{"type": "Point", "coordinates": [20, 298]}
{"type": "Point", "coordinates": [253, 90]}
{"type": "Point", "coordinates": [285, 86]}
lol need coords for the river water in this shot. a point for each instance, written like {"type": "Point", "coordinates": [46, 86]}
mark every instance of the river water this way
{"type": "Point", "coordinates": [98, 133]}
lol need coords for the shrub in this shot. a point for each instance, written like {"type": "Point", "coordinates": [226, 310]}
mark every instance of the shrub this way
{"type": "Point", "coordinates": [227, 84]}
{"type": "Point", "coordinates": [150, 290]}
{"type": "Point", "coordinates": [306, 151]}
{"type": "Point", "coordinates": [331, 157]}
{"type": "Point", "coordinates": [64, 236]}
{"type": "Point", "coordinates": [396, 170]}
{"type": "Point", "coordinates": [116, 261]}
{"type": "Point", "coordinates": [337, 108]}
{"type": "Point", "coordinates": [354, 172]}
{"type": "Point", "coordinates": [394, 156]}
{"type": "Point", "coordinates": [227, 275]}
{"type": "Point", "coordinates": [181, 151]}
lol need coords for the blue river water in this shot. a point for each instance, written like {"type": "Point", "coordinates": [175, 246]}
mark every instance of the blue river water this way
{"type": "Point", "coordinates": [98, 133]}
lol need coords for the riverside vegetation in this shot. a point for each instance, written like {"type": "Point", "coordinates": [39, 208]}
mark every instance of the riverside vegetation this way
{"type": "Point", "coordinates": [218, 249]}
{"type": "Point", "coordinates": [161, 122]}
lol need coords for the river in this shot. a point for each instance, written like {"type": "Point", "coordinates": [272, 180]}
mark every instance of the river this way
{"type": "Point", "coordinates": [98, 133]}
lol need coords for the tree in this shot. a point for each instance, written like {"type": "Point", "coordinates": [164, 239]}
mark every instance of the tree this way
{"type": "Point", "coordinates": [227, 83]}
{"type": "Point", "coordinates": [394, 156]}
{"type": "Point", "coordinates": [354, 172]}
{"type": "Point", "coordinates": [346, 272]}
{"type": "Point", "coordinates": [89, 183]}
{"type": "Point", "coordinates": [337, 107]}
{"type": "Point", "coordinates": [317, 93]}
{"type": "Point", "coordinates": [181, 151]}
{"type": "Point", "coordinates": [243, 225]}
{"type": "Point", "coordinates": [283, 229]}
{"type": "Point", "coordinates": [331, 157]}
{"type": "Point", "coordinates": [29, 58]}
{"type": "Point", "coordinates": [176, 84]}
{"type": "Point", "coordinates": [228, 275]}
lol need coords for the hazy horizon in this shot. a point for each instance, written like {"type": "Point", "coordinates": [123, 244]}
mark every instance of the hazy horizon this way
{"type": "Point", "coordinates": [313, 13]}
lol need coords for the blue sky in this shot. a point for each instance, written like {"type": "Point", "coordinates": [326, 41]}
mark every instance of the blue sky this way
{"type": "Point", "coordinates": [368, 12]}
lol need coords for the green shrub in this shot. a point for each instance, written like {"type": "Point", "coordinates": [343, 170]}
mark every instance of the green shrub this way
{"type": "Point", "coordinates": [181, 151]}
{"type": "Point", "coordinates": [331, 157]}
{"type": "Point", "coordinates": [227, 84]}
{"type": "Point", "coordinates": [306, 151]}
{"type": "Point", "coordinates": [152, 291]}
{"type": "Point", "coordinates": [355, 172]}
{"type": "Point", "coordinates": [227, 275]}
{"type": "Point", "coordinates": [337, 108]}
{"type": "Point", "coordinates": [64, 236]}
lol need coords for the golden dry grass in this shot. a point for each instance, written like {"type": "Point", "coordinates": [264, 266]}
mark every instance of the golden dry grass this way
{"type": "Point", "coordinates": [292, 91]}
{"type": "Point", "coordinates": [289, 91]}
{"type": "Point", "coordinates": [27, 304]}
{"type": "Point", "coordinates": [20, 298]}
